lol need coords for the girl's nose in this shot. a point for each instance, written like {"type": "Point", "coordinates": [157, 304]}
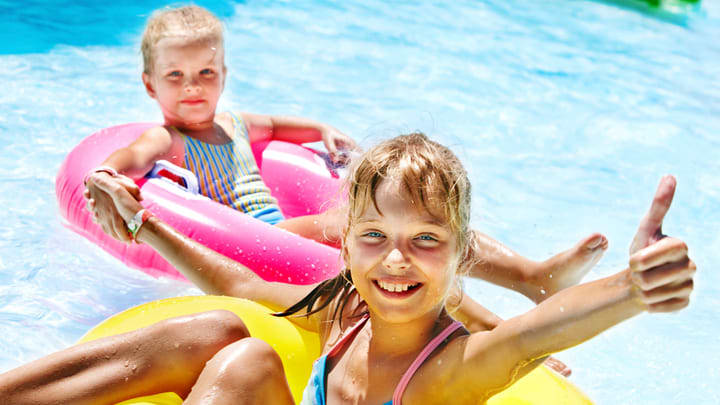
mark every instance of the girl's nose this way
{"type": "Point", "coordinates": [396, 260]}
{"type": "Point", "coordinates": [192, 86]}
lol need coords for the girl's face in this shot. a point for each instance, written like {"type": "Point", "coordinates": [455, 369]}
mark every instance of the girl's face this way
{"type": "Point", "coordinates": [403, 261]}
{"type": "Point", "coordinates": [187, 80]}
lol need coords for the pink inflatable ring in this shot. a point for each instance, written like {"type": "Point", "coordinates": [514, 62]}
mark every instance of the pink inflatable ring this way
{"type": "Point", "coordinates": [298, 176]}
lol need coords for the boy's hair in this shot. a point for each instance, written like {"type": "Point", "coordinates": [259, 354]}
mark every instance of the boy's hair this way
{"type": "Point", "coordinates": [430, 175]}
{"type": "Point", "coordinates": [191, 22]}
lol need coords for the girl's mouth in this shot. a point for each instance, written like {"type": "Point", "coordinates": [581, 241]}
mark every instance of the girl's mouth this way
{"type": "Point", "coordinates": [396, 289]}
{"type": "Point", "coordinates": [192, 102]}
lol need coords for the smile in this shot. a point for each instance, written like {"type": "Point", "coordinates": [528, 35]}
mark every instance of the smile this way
{"type": "Point", "coordinates": [397, 289]}
{"type": "Point", "coordinates": [192, 102]}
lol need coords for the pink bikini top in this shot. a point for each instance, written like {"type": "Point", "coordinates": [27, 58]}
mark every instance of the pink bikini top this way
{"type": "Point", "coordinates": [427, 350]}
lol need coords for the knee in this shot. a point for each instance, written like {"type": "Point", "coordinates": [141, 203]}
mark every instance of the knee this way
{"type": "Point", "coordinates": [219, 327]}
{"type": "Point", "coordinates": [250, 361]}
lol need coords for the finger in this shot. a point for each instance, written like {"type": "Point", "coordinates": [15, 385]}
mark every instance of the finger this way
{"type": "Point", "coordinates": [558, 366]}
{"type": "Point", "coordinates": [130, 186]}
{"type": "Point", "coordinates": [331, 147]}
{"type": "Point", "coordinates": [667, 274]}
{"type": "Point", "coordinates": [86, 193]}
{"type": "Point", "coordinates": [664, 251]}
{"type": "Point", "coordinates": [671, 305]}
{"type": "Point", "coordinates": [650, 226]}
{"type": "Point", "coordinates": [667, 292]}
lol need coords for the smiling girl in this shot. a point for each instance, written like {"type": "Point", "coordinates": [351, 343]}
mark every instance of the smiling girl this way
{"type": "Point", "coordinates": [386, 336]}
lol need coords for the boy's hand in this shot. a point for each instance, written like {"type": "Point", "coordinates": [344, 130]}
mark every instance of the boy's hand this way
{"type": "Point", "coordinates": [102, 206]}
{"type": "Point", "coordinates": [660, 267]}
{"type": "Point", "coordinates": [337, 144]}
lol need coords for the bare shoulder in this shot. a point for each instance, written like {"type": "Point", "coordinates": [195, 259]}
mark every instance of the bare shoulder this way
{"type": "Point", "coordinates": [156, 136]}
{"type": "Point", "coordinates": [468, 369]}
{"type": "Point", "coordinates": [158, 143]}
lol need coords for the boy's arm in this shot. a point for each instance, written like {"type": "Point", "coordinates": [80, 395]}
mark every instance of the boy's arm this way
{"type": "Point", "coordinates": [297, 130]}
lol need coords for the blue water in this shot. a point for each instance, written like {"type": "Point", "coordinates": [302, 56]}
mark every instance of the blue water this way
{"type": "Point", "coordinates": [566, 114]}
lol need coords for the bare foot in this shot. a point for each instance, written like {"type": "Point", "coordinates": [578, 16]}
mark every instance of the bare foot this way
{"type": "Point", "coordinates": [567, 268]}
{"type": "Point", "coordinates": [558, 366]}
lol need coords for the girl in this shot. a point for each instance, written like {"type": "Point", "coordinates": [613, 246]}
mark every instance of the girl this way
{"type": "Point", "coordinates": [385, 332]}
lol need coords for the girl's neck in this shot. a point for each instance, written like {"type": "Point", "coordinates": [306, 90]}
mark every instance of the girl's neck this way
{"type": "Point", "coordinates": [401, 339]}
{"type": "Point", "coordinates": [208, 132]}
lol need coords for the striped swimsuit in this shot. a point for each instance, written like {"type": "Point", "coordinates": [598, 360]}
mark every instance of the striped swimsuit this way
{"type": "Point", "coordinates": [315, 391]}
{"type": "Point", "coordinates": [229, 174]}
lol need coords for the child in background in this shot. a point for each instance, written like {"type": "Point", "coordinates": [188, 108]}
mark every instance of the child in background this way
{"type": "Point", "coordinates": [184, 71]}
{"type": "Point", "coordinates": [385, 333]}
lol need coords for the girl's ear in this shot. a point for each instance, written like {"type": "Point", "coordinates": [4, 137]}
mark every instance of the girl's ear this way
{"type": "Point", "coordinates": [344, 253]}
{"type": "Point", "coordinates": [148, 85]}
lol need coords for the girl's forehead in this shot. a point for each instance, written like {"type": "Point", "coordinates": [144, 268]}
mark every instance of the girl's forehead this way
{"type": "Point", "coordinates": [178, 49]}
{"type": "Point", "coordinates": [394, 200]}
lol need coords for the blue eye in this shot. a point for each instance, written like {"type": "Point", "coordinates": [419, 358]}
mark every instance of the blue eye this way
{"type": "Point", "coordinates": [426, 238]}
{"type": "Point", "coordinates": [206, 72]}
{"type": "Point", "coordinates": [374, 234]}
{"type": "Point", "coordinates": [175, 73]}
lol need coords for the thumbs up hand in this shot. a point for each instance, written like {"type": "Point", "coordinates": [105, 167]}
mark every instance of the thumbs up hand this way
{"type": "Point", "coordinates": [660, 269]}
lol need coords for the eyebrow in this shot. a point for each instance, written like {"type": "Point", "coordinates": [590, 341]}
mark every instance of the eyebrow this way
{"type": "Point", "coordinates": [434, 222]}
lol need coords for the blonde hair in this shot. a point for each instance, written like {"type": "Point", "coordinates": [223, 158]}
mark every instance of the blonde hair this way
{"type": "Point", "coordinates": [191, 22]}
{"type": "Point", "coordinates": [431, 175]}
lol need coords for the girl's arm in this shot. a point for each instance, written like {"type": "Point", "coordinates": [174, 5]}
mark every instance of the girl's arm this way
{"type": "Point", "coordinates": [138, 158]}
{"type": "Point", "coordinates": [212, 272]}
{"type": "Point", "coordinates": [659, 279]}
{"type": "Point", "coordinates": [297, 130]}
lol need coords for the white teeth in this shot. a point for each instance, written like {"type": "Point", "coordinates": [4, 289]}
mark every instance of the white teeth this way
{"type": "Point", "coordinates": [394, 287]}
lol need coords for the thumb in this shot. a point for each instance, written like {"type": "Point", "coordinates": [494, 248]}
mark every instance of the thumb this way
{"type": "Point", "coordinates": [650, 228]}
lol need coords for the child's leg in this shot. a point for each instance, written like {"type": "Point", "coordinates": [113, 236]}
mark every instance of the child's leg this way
{"type": "Point", "coordinates": [248, 371]}
{"type": "Point", "coordinates": [536, 280]}
{"type": "Point", "coordinates": [166, 356]}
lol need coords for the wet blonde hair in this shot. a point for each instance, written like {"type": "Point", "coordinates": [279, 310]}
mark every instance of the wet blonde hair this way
{"type": "Point", "coordinates": [431, 175]}
{"type": "Point", "coordinates": [191, 22]}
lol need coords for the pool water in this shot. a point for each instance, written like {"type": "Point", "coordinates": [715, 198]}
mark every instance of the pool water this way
{"type": "Point", "coordinates": [565, 113]}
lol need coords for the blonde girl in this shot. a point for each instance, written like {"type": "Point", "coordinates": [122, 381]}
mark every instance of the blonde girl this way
{"type": "Point", "coordinates": [385, 333]}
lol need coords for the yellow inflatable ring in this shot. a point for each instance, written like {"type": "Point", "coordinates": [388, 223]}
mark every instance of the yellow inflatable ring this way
{"type": "Point", "coordinates": [298, 349]}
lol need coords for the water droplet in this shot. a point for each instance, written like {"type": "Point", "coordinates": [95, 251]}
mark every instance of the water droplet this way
{"type": "Point", "coordinates": [542, 291]}
{"type": "Point", "coordinates": [550, 275]}
{"type": "Point", "coordinates": [562, 309]}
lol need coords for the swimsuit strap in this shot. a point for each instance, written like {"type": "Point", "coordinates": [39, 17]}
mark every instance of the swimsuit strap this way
{"type": "Point", "coordinates": [239, 129]}
{"type": "Point", "coordinates": [355, 329]}
{"type": "Point", "coordinates": [437, 340]}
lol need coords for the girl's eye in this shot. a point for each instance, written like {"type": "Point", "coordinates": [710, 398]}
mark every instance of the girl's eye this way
{"type": "Point", "coordinates": [207, 72]}
{"type": "Point", "coordinates": [373, 234]}
{"type": "Point", "coordinates": [426, 238]}
{"type": "Point", "coordinates": [174, 74]}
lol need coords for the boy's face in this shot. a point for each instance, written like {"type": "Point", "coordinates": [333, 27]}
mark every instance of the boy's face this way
{"type": "Point", "coordinates": [187, 80]}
